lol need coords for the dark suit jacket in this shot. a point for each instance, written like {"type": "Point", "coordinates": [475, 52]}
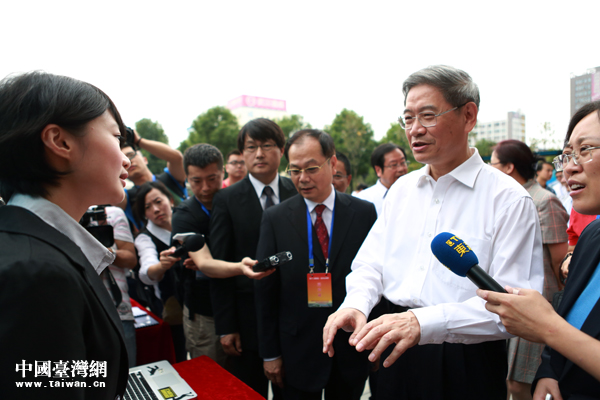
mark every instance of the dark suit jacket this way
{"type": "Point", "coordinates": [287, 326]}
{"type": "Point", "coordinates": [234, 232]}
{"type": "Point", "coordinates": [572, 380]}
{"type": "Point", "coordinates": [53, 306]}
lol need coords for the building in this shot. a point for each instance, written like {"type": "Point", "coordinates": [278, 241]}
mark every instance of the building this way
{"type": "Point", "coordinates": [585, 88]}
{"type": "Point", "coordinates": [247, 108]}
{"type": "Point", "coordinates": [513, 127]}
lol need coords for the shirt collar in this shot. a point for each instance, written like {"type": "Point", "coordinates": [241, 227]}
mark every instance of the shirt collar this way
{"type": "Point", "coordinates": [162, 234]}
{"type": "Point", "coordinates": [329, 201]}
{"type": "Point", "coordinates": [466, 173]}
{"type": "Point", "coordinates": [97, 255]}
{"type": "Point", "coordinates": [259, 186]}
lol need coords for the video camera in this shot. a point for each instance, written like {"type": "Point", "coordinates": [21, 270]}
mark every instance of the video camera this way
{"type": "Point", "coordinates": [94, 221]}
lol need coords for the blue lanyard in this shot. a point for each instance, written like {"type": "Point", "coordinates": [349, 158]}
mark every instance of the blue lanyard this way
{"type": "Point", "coordinates": [206, 210]}
{"type": "Point", "coordinates": [311, 257]}
{"type": "Point", "coordinates": [182, 188]}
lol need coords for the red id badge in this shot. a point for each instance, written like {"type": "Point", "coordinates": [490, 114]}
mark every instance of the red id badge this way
{"type": "Point", "coordinates": [319, 290]}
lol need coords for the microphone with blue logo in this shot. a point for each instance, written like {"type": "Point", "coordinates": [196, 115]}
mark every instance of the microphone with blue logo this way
{"type": "Point", "coordinates": [458, 257]}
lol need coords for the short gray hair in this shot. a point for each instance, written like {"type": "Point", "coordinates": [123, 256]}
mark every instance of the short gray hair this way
{"type": "Point", "coordinates": [456, 85]}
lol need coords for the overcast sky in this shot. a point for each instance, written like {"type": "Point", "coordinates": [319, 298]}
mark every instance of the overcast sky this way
{"type": "Point", "coordinates": [171, 61]}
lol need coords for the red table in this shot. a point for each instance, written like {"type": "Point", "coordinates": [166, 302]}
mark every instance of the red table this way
{"type": "Point", "coordinates": [211, 382]}
{"type": "Point", "coordinates": [154, 343]}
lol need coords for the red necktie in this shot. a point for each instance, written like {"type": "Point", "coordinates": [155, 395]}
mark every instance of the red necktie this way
{"type": "Point", "coordinates": [322, 230]}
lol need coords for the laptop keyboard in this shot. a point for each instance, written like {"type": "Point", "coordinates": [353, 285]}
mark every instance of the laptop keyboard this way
{"type": "Point", "coordinates": [138, 388]}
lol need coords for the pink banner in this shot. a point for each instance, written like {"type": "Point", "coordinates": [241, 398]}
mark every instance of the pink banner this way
{"type": "Point", "coordinates": [256, 102]}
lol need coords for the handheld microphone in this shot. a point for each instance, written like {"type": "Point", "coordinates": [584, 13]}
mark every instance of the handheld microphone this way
{"type": "Point", "coordinates": [458, 257]}
{"type": "Point", "coordinates": [191, 243]}
{"type": "Point", "coordinates": [273, 261]}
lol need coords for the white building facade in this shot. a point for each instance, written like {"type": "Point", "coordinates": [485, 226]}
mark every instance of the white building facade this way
{"type": "Point", "coordinates": [513, 127]}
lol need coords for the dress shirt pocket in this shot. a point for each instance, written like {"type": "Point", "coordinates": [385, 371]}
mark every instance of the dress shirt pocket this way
{"type": "Point", "coordinates": [481, 247]}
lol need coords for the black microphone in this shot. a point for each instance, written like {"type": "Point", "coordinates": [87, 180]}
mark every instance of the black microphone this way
{"type": "Point", "coordinates": [458, 257]}
{"type": "Point", "coordinates": [192, 243]}
{"type": "Point", "coordinates": [273, 261]}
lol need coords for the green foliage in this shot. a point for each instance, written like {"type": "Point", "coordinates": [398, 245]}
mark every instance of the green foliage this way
{"type": "Point", "coordinates": [290, 124]}
{"type": "Point", "coordinates": [397, 135]}
{"type": "Point", "coordinates": [353, 137]}
{"type": "Point", "coordinates": [217, 126]}
{"type": "Point", "coordinates": [153, 131]}
{"type": "Point", "coordinates": [484, 147]}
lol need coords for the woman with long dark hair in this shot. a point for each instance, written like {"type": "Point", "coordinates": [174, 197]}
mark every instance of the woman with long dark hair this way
{"type": "Point", "coordinates": [59, 155]}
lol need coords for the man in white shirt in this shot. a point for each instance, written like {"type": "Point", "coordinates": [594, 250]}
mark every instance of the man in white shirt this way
{"type": "Point", "coordinates": [389, 162]}
{"type": "Point", "coordinates": [455, 192]}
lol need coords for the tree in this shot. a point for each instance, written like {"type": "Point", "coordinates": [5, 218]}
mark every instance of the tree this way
{"type": "Point", "coordinates": [290, 124]}
{"type": "Point", "coordinates": [484, 147]}
{"type": "Point", "coordinates": [397, 135]}
{"type": "Point", "coordinates": [548, 140]}
{"type": "Point", "coordinates": [151, 130]}
{"type": "Point", "coordinates": [353, 137]}
{"type": "Point", "coordinates": [217, 126]}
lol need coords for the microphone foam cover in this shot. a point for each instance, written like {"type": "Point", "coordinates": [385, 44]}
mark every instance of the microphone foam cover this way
{"type": "Point", "coordinates": [194, 243]}
{"type": "Point", "coordinates": [453, 253]}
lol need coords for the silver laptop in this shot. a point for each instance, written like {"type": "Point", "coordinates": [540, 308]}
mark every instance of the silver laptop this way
{"type": "Point", "coordinates": [157, 381]}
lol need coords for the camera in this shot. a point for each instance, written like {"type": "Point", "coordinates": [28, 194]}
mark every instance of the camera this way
{"type": "Point", "coordinates": [94, 221]}
{"type": "Point", "coordinates": [130, 138]}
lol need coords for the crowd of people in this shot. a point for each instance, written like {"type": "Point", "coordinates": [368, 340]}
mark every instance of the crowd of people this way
{"type": "Point", "coordinates": [362, 297]}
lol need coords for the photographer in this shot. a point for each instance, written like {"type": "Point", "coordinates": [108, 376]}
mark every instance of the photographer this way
{"type": "Point", "coordinates": [173, 177]}
{"type": "Point", "coordinates": [119, 241]}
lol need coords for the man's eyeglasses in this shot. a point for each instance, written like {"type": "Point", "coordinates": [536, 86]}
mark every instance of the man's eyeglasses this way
{"type": "Point", "coordinates": [398, 164]}
{"type": "Point", "coordinates": [427, 119]}
{"type": "Point", "coordinates": [339, 177]}
{"type": "Point", "coordinates": [131, 154]}
{"type": "Point", "coordinates": [264, 147]}
{"type": "Point", "coordinates": [309, 170]}
{"type": "Point", "coordinates": [585, 156]}
{"type": "Point", "coordinates": [237, 163]}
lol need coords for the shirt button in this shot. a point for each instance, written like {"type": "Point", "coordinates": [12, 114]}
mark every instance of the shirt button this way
{"type": "Point", "coordinates": [117, 397]}
{"type": "Point", "coordinates": [422, 268]}
{"type": "Point", "coordinates": [429, 234]}
{"type": "Point", "coordinates": [431, 341]}
{"type": "Point", "coordinates": [437, 201]}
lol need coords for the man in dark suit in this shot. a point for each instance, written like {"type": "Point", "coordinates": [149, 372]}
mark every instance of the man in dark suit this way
{"type": "Point", "coordinates": [235, 226]}
{"type": "Point", "coordinates": [203, 164]}
{"type": "Point", "coordinates": [293, 303]}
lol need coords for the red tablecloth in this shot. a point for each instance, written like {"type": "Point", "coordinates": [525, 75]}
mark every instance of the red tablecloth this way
{"type": "Point", "coordinates": [211, 382]}
{"type": "Point", "coordinates": [154, 343]}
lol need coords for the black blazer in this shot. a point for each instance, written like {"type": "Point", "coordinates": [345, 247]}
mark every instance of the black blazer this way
{"type": "Point", "coordinates": [234, 232]}
{"type": "Point", "coordinates": [287, 326]}
{"type": "Point", "coordinates": [53, 306]}
{"type": "Point", "coordinates": [574, 382]}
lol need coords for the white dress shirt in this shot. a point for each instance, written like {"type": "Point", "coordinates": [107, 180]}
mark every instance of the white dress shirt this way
{"type": "Point", "coordinates": [148, 254]}
{"type": "Point", "coordinates": [259, 187]}
{"type": "Point", "coordinates": [375, 194]}
{"type": "Point", "coordinates": [98, 255]}
{"type": "Point", "coordinates": [329, 203]}
{"type": "Point", "coordinates": [489, 210]}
